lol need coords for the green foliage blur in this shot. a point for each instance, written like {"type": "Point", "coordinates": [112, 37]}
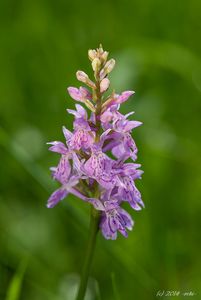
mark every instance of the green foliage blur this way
{"type": "Point", "coordinates": [157, 47]}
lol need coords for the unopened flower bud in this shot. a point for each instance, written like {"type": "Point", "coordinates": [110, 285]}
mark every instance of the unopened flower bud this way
{"type": "Point", "coordinates": [92, 54]}
{"type": "Point", "coordinates": [74, 93]}
{"type": "Point", "coordinates": [104, 85]}
{"type": "Point", "coordinates": [110, 65]}
{"type": "Point", "coordinates": [100, 49]}
{"type": "Point", "coordinates": [104, 56]}
{"type": "Point", "coordinates": [107, 68]}
{"type": "Point", "coordinates": [96, 64]}
{"type": "Point", "coordinates": [83, 77]}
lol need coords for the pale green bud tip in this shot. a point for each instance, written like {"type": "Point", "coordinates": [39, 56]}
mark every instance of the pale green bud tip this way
{"type": "Point", "coordinates": [92, 54]}
{"type": "Point", "coordinates": [100, 48]}
{"type": "Point", "coordinates": [83, 77]}
{"type": "Point", "coordinates": [109, 66]}
{"type": "Point", "coordinates": [104, 55]}
{"type": "Point", "coordinates": [98, 53]}
{"type": "Point", "coordinates": [96, 64]}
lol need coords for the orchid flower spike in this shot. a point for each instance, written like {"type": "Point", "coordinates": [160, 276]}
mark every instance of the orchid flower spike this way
{"type": "Point", "coordinates": [98, 158]}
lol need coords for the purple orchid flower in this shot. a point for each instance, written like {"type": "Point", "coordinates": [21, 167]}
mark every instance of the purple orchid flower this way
{"type": "Point", "coordinates": [117, 99]}
{"type": "Point", "coordinates": [113, 217]}
{"type": "Point", "coordinates": [99, 167]}
{"type": "Point", "coordinates": [128, 192]}
{"type": "Point", "coordinates": [83, 136]}
{"type": "Point", "coordinates": [93, 162]}
{"type": "Point", "coordinates": [62, 192]}
{"type": "Point", "coordinates": [122, 143]}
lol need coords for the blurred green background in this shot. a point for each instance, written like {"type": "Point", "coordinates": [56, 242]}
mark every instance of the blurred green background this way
{"type": "Point", "coordinates": [157, 48]}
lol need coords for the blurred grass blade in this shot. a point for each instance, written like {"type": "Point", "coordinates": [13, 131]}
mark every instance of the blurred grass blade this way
{"type": "Point", "coordinates": [15, 286]}
{"type": "Point", "coordinates": [24, 158]}
{"type": "Point", "coordinates": [97, 289]}
{"type": "Point", "coordinates": [114, 287]}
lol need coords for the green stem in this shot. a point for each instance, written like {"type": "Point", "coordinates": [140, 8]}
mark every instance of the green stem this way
{"type": "Point", "coordinates": [95, 214]}
{"type": "Point", "coordinates": [93, 230]}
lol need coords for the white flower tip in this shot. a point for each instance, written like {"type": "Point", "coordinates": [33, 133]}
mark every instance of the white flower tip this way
{"type": "Point", "coordinates": [51, 143]}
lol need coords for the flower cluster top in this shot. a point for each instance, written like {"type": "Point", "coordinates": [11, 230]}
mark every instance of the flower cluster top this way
{"type": "Point", "coordinates": [97, 161]}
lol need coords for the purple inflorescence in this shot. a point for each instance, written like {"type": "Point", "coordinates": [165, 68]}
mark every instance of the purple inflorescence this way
{"type": "Point", "coordinates": [97, 161]}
